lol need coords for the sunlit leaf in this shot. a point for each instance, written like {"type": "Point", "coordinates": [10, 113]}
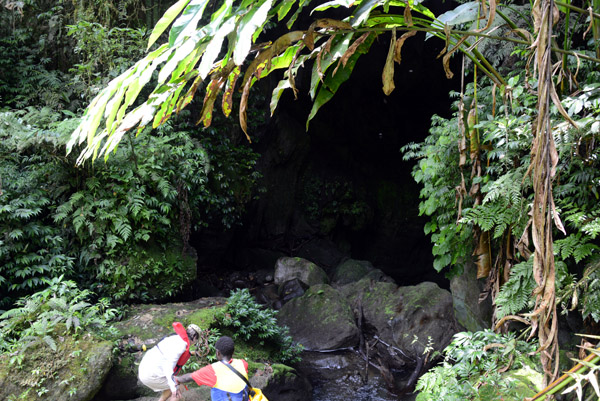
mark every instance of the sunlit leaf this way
{"type": "Point", "coordinates": [214, 47]}
{"type": "Point", "coordinates": [361, 14]}
{"type": "Point", "coordinates": [326, 61]}
{"type": "Point", "coordinates": [466, 12]}
{"type": "Point", "coordinates": [333, 4]}
{"type": "Point", "coordinates": [166, 20]}
{"type": "Point", "coordinates": [187, 23]}
{"type": "Point", "coordinates": [276, 95]}
{"type": "Point", "coordinates": [284, 8]}
{"type": "Point", "coordinates": [248, 25]}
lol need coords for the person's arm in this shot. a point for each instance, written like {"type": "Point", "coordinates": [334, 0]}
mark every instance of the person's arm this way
{"type": "Point", "coordinates": [205, 376]}
{"type": "Point", "coordinates": [186, 378]}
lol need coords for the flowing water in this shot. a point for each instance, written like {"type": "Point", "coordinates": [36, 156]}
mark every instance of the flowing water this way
{"type": "Point", "coordinates": [343, 376]}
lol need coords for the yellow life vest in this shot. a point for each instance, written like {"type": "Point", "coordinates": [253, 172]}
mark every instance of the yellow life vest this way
{"type": "Point", "coordinates": [226, 379]}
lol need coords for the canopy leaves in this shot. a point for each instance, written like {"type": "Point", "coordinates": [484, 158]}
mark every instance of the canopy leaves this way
{"type": "Point", "coordinates": [211, 57]}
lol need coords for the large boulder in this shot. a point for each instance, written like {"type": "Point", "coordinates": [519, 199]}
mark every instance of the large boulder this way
{"type": "Point", "coordinates": [410, 318]}
{"type": "Point", "coordinates": [289, 268]}
{"type": "Point", "coordinates": [351, 270]}
{"type": "Point", "coordinates": [74, 371]}
{"type": "Point", "coordinates": [321, 319]}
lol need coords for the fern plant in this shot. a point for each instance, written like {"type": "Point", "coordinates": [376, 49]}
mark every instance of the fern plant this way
{"type": "Point", "coordinates": [32, 247]}
{"type": "Point", "coordinates": [515, 294]}
{"type": "Point", "coordinates": [249, 321]}
{"type": "Point", "coordinates": [505, 194]}
{"type": "Point", "coordinates": [473, 368]}
{"type": "Point", "coordinates": [60, 309]}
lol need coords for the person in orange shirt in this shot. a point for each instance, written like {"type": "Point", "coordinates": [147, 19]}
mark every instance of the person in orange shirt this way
{"type": "Point", "coordinates": [226, 384]}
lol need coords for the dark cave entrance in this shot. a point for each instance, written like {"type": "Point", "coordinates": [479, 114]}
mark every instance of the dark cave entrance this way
{"type": "Point", "coordinates": [351, 151]}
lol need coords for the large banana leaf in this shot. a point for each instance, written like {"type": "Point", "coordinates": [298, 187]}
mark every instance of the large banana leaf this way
{"type": "Point", "coordinates": [227, 47]}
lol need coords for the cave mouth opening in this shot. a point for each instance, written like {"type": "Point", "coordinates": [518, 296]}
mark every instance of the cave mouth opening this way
{"type": "Point", "coordinates": [349, 159]}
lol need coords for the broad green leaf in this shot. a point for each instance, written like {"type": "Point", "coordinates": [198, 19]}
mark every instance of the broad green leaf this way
{"type": "Point", "coordinates": [282, 61]}
{"type": "Point", "coordinates": [333, 4]}
{"type": "Point", "coordinates": [466, 12]}
{"type": "Point", "coordinates": [141, 80]}
{"type": "Point", "coordinates": [181, 53]}
{"type": "Point", "coordinates": [187, 64]}
{"type": "Point", "coordinates": [214, 47]}
{"type": "Point", "coordinates": [248, 25]}
{"type": "Point", "coordinates": [166, 20]}
{"type": "Point", "coordinates": [331, 83]}
{"type": "Point", "coordinates": [112, 107]}
{"type": "Point", "coordinates": [323, 97]}
{"type": "Point", "coordinates": [337, 51]}
{"type": "Point", "coordinates": [284, 8]}
{"type": "Point", "coordinates": [385, 20]}
{"type": "Point", "coordinates": [276, 95]}
{"type": "Point", "coordinates": [402, 3]}
{"type": "Point", "coordinates": [187, 23]}
{"type": "Point", "coordinates": [361, 14]}
{"type": "Point", "coordinates": [167, 107]}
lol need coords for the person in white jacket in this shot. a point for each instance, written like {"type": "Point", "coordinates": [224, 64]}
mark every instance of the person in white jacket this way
{"type": "Point", "coordinates": [165, 359]}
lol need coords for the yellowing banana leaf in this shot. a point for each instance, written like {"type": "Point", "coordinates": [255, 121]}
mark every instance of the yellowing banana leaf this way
{"type": "Point", "coordinates": [400, 43]}
{"type": "Point", "coordinates": [209, 100]}
{"type": "Point", "coordinates": [388, 70]}
{"type": "Point", "coordinates": [326, 60]}
{"type": "Point", "coordinates": [227, 101]}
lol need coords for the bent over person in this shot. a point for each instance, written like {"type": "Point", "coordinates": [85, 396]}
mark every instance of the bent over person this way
{"type": "Point", "coordinates": [226, 384]}
{"type": "Point", "coordinates": [165, 359]}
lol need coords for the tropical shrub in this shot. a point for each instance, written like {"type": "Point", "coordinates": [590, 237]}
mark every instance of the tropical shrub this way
{"type": "Point", "coordinates": [59, 309]}
{"type": "Point", "coordinates": [487, 213]}
{"type": "Point", "coordinates": [251, 322]}
{"type": "Point", "coordinates": [474, 366]}
{"type": "Point", "coordinates": [34, 178]}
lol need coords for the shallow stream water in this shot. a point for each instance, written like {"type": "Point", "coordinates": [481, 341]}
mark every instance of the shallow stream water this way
{"type": "Point", "coordinates": [342, 377]}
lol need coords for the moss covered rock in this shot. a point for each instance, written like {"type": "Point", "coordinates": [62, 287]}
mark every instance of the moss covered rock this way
{"type": "Point", "coordinates": [307, 272]}
{"type": "Point", "coordinates": [75, 371]}
{"type": "Point", "coordinates": [321, 319]}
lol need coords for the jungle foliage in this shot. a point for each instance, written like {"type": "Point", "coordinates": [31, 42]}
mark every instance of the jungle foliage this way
{"type": "Point", "coordinates": [118, 228]}
{"type": "Point", "coordinates": [510, 182]}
